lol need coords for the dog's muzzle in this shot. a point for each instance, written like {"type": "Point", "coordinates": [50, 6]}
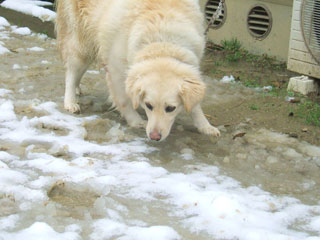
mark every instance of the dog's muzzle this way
{"type": "Point", "coordinates": [155, 135]}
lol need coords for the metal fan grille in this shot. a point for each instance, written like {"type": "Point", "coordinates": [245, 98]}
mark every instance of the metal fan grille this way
{"type": "Point", "coordinates": [310, 25]}
{"type": "Point", "coordinates": [259, 21]}
{"type": "Point", "coordinates": [211, 8]}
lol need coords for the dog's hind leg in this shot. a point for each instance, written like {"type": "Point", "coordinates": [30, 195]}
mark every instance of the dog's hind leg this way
{"type": "Point", "coordinates": [202, 123]}
{"type": "Point", "coordinates": [75, 68]}
{"type": "Point", "coordinates": [116, 84]}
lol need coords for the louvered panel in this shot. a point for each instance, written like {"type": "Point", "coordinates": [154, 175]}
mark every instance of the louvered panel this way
{"type": "Point", "coordinates": [210, 10]}
{"type": "Point", "coordinates": [259, 16]}
{"type": "Point", "coordinates": [259, 21]}
{"type": "Point", "coordinates": [310, 24]}
{"type": "Point", "coordinates": [305, 38]}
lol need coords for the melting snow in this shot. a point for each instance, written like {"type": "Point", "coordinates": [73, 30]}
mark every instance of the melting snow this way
{"type": "Point", "coordinates": [3, 49]}
{"type": "Point", "coordinates": [227, 79]}
{"type": "Point", "coordinates": [202, 199]}
{"type": "Point", "coordinates": [4, 22]}
{"type": "Point", "coordinates": [36, 49]}
{"type": "Point", "coordinates": [22, 31]}
{"type": "Point", "coordinates": [31, 7]}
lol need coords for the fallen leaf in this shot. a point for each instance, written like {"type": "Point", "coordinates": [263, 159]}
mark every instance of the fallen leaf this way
{"type": "Point", "coordinates": [293, 135]}
{"type": "Point", "coordinates": [209, 116]}
{"type": "Point", "coordinates": [276, 84]}
{"type": "Point", "coordinates": [294, 100]}
{"type": "Point", "coordinates": [238, 135]}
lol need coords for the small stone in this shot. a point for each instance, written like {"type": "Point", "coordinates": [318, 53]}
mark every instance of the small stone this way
{"type": "Point", "coordinates": [317, 161]}
{"type": "Point", "coordinates": [248, 120]}
{"type": "Point", "coordinates": [304, 130]}
{"type": "Point", "coordinates": [272, 160]}
{"type": "Point", "coordinates": [226, 160]}
{"type": "Point", "coordinates": [59, 151]}
{"type": "Point", "coordinates": [187, 151]}
{"type": "Point", "coordinates": [222, 128]}
{"type": "Point", "coordinates": [241, 156]}
{"type": "Point", "coordinates": [180, 128]}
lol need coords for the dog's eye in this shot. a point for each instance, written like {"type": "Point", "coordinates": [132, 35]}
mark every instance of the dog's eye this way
{"type": "Point", "coordinates": [149, 106]}
{"type": "Point", "coordinates": [170, 109]}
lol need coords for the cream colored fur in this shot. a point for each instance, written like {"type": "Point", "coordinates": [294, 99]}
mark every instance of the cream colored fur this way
{"type": "Point", "coordinates": [152, 50]}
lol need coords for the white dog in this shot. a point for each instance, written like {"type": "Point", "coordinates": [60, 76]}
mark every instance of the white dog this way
{"type": "Point", "coordinates": [152, 50]}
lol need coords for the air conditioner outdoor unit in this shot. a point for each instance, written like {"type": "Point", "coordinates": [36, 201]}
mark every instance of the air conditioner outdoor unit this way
{"type": "Point", "coordinates": [304, 48]}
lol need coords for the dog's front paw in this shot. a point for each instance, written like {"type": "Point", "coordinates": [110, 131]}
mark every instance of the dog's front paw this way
{"type": "Point", "coordinates": [72, 107]}
{"type": "Point", "coordinates": [210, 130]}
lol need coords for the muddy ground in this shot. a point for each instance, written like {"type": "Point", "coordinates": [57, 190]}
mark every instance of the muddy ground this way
{"type": "Point", "coordinates": [270, 110]}
{"type": "Point", "coordinates": [227, 105]}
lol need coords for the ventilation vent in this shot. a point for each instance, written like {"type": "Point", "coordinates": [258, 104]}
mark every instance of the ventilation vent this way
{"type": "Point", "coordinates": [211, 8]}
{"type": "Point", "coordinates": [310, 25]}
{"type": "Point", "coordinates": [259, 21]}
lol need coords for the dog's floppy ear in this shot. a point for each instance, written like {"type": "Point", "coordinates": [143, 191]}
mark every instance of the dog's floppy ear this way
{"type": "Point", "coordinates": [192, 92]}
{"type": "Point", "coordinates": [134, 89]}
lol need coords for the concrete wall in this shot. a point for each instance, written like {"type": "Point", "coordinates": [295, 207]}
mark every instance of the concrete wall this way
{"type": "Point", "coordinates": [275, 44]}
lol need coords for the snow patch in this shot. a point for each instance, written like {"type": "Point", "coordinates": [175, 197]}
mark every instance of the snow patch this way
{"type": "Point", "coordinates": [40, 231]}
{"type": "Point", "coordinates": [31, 7]}
{"type": "Point", "coordinates": [93, 72]}
{"type": "Point", "coordinates": [22, 31]}
{"type": "Point", "coordinates": [16, 66]}
{"type": "Point", "coordinates": [45, 62]}
{"type": "Point", "coordinates": [36, 49]}
{"type": "Point", "coordinates": [4, 22]}
{"type": "Point", "coordinates": [3, 49]}
{"type": "Point", "coordinates": [107, 229]}
{"type": "Point", "coordinates": [227, 79]}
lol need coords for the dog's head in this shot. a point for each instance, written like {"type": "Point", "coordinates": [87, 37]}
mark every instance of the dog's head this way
{"type": "Point", "coordinates": [163, 87]}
